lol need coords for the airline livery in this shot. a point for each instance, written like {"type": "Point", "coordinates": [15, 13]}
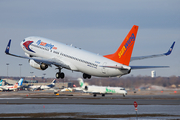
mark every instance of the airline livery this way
{"type": "Point", "coordinates": [1, 82]}
{"type": "Point", "coordinates": [43, 53]}
{"type": "Point", "coordinates": [42, 87]}
{"type": "Point", "coordinates": [12, 87]}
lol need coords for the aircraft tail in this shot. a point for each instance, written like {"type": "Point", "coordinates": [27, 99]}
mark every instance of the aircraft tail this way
{"type": "Point", "coordinates": [15, 85]}
{"type": "Point", "coordinates": [1, 82]}
{"type": "Point", "coordinates": [53, 82]}
{"type": "Point", "coordinates": [20, 82]}
{"type": "Point", "coordinates": [81, 82]}
{"type": "Point", "coordinates": [123, 54]}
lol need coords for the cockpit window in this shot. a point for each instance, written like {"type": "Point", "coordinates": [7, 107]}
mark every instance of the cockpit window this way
{"type": "Point", "coordinates": [122, 89]}
{"type": "Point", "coordinates": [24, 40]}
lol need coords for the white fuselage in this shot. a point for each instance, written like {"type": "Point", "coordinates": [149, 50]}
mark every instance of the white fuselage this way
{"type": "Point", "coordinates": [76, 58]}
{"type": "Point", "coordinates": [9, 87]}
{"type": "Point", "coordinates": [104, 90]}
{"type": "Point", "coordinates": [41, 87]}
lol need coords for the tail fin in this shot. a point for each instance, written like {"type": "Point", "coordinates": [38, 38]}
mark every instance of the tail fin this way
{"type": "Point", "coordinates": [20, 82]}
{"type": "Point", "coordinates": [1, 82]}
{"type": "Point", "coordinates": [15, 85]}
{"type": "Point", "coordinates": [53, 82]}
{"type": "Point", "coordinates": [123, 54]}
{"type": "Point", "coordinates": [81, 82]}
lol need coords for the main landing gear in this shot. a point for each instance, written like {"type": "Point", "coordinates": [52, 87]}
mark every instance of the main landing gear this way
{"type": "Point", "coordinates": [60, 74]}
{"type": "Point", "coordinates": [86, 76]}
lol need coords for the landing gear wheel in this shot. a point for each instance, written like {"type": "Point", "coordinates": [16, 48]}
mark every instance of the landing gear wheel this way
{"type": "Point", "coordinates": [94, 95]}
{"type": "Point", "coordinates": [86, 76]}
{"type": "Point", "coordinates": [60, 75]}
{"type": "Point", "coordinates": [89, 76]}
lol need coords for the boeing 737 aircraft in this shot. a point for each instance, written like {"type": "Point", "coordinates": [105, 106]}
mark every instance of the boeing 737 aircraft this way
{"type": "Point", "coordinates": [12, 87]}
{"type": "Point", "coordinates": [42, 52]}
{"type": "Point", "coordinates": [101, 89]}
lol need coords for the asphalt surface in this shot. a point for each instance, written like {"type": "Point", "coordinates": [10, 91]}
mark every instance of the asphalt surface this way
{"type": "Point", "coordinates": [48, 97]}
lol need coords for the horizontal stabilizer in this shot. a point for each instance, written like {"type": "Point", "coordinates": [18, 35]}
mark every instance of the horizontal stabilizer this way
{"type": "Point", "coordinates": [146, 67]}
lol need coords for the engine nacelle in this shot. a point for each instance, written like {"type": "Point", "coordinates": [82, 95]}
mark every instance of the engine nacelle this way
{"type": "Point", "coordinates": [36, 65]}
{"type": "Point", "coordinates": [86, 87]}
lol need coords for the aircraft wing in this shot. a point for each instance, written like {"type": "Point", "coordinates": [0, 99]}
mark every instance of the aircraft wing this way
{"type": "Point", "coordinates": [49, 62]}
{"type": "Point", "coordinates": [152, 56]}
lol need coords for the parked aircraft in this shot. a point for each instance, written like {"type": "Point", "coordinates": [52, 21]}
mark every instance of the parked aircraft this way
{"type": "Point", "coordinates": [42, 87]}
{"type": "Point", "coordinates": [67, 89]}
{"type": "Point", "coordinates": [42, 52]}
{"type": "Point", "coordinates": [102, 90]}
{"type": "Point", "coordinates": [1, 82]}
{"type": "Point", "coordinates": [12, 87]}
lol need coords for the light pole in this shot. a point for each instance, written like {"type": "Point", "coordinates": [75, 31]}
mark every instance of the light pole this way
{"type": "Point", "coordinates": [44, 77]}
{"type": "Point", "coordinates": [20, 69]}
{"type": "Point", "coordinates": [7, 70]}
{"type": "Point", "coordinates": [31, 75]}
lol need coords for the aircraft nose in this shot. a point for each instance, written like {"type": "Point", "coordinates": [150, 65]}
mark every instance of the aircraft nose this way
{"type": "Point", "coordinates": [21, 44]}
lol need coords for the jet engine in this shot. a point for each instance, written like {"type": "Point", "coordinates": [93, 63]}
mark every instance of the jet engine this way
{"type": "Point", "coordinates": [41, 66]}
{"type": "Point", "coordinates": [86, 88]}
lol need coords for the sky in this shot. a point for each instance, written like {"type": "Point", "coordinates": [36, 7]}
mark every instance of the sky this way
{"type": "Point", "coordinates": [97, 26]}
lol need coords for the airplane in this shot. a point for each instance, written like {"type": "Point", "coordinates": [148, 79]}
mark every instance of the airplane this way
{"type": "Point", "coordinates": [42, 53]}
{"type": "Point", "coordinates": [12, 87]}
{"type": "Point", "coordinates": [42, 87]}
{"type": "Point", "coordinates": [67, 89]}
{"type": "Point", "coordinates": [102, 90]}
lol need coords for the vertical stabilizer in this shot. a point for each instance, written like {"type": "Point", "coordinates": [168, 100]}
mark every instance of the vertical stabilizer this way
{"type": "Point", "coordinates": [1, 82]}
{"type": "Point", "coordinates": [53, 82]}
{"type": "Point", "coordinates": [20, 82]}
{"type": "Point", "coordinates": [81, 82]}
{"type": "Point", "coordinates": [15, 85]}
{"type": "Point", "coordinates": [123, 54]}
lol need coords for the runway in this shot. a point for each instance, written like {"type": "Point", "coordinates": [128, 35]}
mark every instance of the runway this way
{"type": "Point", "coordinates": [76, 105]}
{"type": "Point", "coordinates": [48, 97]}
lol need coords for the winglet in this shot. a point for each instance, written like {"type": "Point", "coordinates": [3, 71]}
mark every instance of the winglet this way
{"type": "Point", "coordinates": [170, 50]}
{"type": "Point", "coordinates": [8, 47]}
